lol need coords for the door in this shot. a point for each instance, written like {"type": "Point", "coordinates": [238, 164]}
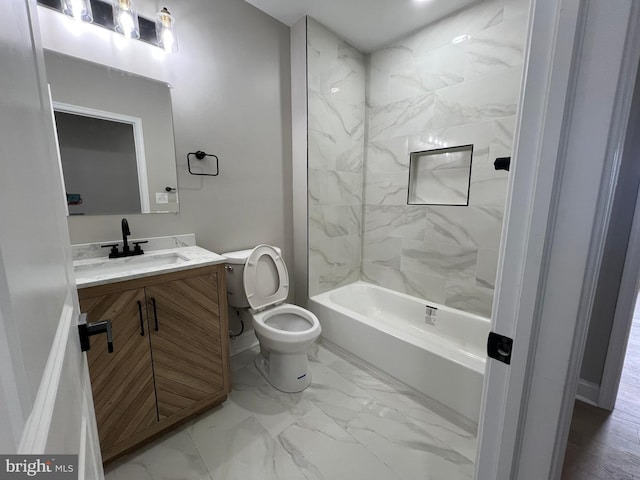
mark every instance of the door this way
{"type": "Point", "coordinates": [186, 342]}
{"type": "Point", "coordinates": [581, 68]}
{"type": "Point", "coordinates": [122, 381]}
{"type": "Point", "coordinates": [45, 394]}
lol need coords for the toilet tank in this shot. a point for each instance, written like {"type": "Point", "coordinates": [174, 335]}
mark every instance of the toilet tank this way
{"type": "Point", "coordinates": [234, 268]}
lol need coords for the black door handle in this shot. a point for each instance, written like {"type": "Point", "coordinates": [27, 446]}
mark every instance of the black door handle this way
{"type": "Point", "coordinates": [502, 163]}
{"type": "Point", "coordinates": [155, 312]}
{"type": "Point", "coordinates": [86, 330]}
{"type": "Point", "coordinates": [141, 319]}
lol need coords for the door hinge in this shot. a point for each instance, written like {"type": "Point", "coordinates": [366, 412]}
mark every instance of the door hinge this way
{"type": "Point", "coordinates": [499, 347]}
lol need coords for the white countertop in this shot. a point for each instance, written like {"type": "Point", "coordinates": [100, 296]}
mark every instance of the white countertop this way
{"type": "Point", "coordinates": [91, 272]}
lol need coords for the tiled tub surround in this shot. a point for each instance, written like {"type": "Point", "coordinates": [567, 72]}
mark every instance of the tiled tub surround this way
{"type": "Point", "coordinates": [352, 422]}
{"type": "Point", "coordinates": [366, 320]}
{"type": "Point", "coordinates": [425, 92]}
{"type": "Point", "coordinates": [336, 116]}
{"type": "Point", "coordinates": [422, 93]}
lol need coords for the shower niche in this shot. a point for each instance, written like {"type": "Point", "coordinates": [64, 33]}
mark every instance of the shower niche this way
{"type": "Point", "coordinates": [441, 176]}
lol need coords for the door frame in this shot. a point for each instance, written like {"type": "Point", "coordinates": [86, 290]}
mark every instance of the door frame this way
{"type": "Point", "coordinates": [555, 225]}
{"type": "Point", "coordinates": [623, 318]}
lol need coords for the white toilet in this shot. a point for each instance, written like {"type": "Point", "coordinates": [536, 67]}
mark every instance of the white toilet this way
{"type": "Point", "coordinates": [258, 279]}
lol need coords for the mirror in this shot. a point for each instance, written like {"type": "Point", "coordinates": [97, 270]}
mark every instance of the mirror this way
{"type": "Point", "coordinates": [440, 177]}
{"type": "Point", "coordinates": [115, 134]}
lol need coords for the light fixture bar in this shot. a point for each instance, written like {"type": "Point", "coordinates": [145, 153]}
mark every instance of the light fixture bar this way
{"type": "Point", "coordinates": [102, 12]}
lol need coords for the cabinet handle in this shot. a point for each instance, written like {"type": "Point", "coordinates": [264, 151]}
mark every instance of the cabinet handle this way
{"type": "Point", "coordinates": [141, 319]}
{"type": "Point", "coordinates": [155, 312]}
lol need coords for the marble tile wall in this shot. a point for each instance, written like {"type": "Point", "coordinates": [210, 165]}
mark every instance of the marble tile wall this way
{"type": "Point", "coordinates": [422, 92]}
{"type": "Point", "coordinates": [336, 116]}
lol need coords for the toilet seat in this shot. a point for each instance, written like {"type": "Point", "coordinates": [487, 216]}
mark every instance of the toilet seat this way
{"type": "Point", "coordinates": [266, 280]}
{"type": "Point", "coordinates": [263, 327]}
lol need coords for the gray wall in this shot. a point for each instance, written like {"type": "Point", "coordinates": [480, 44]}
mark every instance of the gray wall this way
{"type": "Point", "coordinates": [231, 96]}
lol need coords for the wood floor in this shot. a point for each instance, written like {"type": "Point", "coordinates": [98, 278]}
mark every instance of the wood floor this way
{"type": "Point", "coordinates": [606, 445]}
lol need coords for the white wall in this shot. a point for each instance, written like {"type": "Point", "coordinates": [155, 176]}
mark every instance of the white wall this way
{"type": "Point", "coordinates": [231, 96]}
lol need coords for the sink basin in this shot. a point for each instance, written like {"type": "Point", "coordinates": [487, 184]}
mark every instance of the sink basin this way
{"type": "Point", "coordinates": [128, 264]}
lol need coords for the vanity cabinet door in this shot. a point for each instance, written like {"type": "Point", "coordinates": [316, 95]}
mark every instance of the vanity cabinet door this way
{"type": "Point", "coordinates": [122, 381]}
{"type": "Point", "coordinates": [186, 343]}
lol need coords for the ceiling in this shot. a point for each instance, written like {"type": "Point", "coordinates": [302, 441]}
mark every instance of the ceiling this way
{"type": "Point", "coordinates": [367, 24]}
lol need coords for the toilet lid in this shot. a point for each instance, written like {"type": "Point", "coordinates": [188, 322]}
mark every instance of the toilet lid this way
{"type": "Point", "coordinates": [266, 281]}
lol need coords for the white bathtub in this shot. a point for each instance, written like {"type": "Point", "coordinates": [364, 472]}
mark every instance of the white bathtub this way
{"type": "Point", "coordinates": [387, 329]}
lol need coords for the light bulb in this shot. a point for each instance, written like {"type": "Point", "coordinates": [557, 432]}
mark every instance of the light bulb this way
{"type": "Point", "coordinates": [126, 19]}
{"type": "Point", "coordinates": [126, 22]}
{"type": "Point", "coordinates": [167, 40]}
{"type": "Point", "coordinates": [165, 31]}
{"type": "Point", "coordinates": [78, 9]}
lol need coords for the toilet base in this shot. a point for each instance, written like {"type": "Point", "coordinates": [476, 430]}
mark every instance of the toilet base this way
{"type": "Point", "coordinates": [288, 372]}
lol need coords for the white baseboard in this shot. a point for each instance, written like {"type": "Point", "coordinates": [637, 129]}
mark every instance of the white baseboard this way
{"type": "Point", "coordinates": [244, 342]}
{"type": "Point", "coordinates": [588, 392]}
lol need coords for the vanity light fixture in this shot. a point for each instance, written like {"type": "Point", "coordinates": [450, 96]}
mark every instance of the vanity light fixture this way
{"type": "Point", "coordinates": [78, 9]}
{"type": "Point", "coordinates": [166, 31]}
{"type": "Point", "coordinates": [125, 18]}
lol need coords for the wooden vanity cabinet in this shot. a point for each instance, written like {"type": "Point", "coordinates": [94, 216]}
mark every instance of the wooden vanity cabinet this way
{"type": "Point", "coordinates": [171, 357]}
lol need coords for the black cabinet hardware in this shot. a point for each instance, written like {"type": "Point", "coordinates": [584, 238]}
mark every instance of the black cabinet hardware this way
{"type": "Point", "coordinates": [141, 318]}
{"type": "Point", "coordinates": [155, 312]}
{"type": "Point", "coordinates": [86, 330]}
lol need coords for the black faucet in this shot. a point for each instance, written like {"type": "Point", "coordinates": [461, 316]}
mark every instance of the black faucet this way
{"type": "Point", "coordinates": [125, 233]}
{"type": "Point", "coordinates": [126, 250]}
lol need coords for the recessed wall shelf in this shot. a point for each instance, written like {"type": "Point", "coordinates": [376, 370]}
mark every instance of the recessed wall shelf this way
{"type": "Point", "coordinates": [441, 176]}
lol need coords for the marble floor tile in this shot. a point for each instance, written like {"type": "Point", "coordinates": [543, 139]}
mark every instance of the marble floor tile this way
{"type": "Point", "coordinates": [334, 395]}
{"type": "Point", "coordinates": [456, 437]}
{"type": "Point", "coordinates": [318, 353]}
{"type": "Point", "coordinates": [245, 451]}
{"type": "Point", "coordinates": [409, 450]}
{"type": "Point", "coordinates": [353, 422]}
{"type": "Point", "coordinates": [323, 450]}
{"type": "Point", "coordinates": [172, 458]}
{"type": "Point", "coordinates": [274, 409]}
